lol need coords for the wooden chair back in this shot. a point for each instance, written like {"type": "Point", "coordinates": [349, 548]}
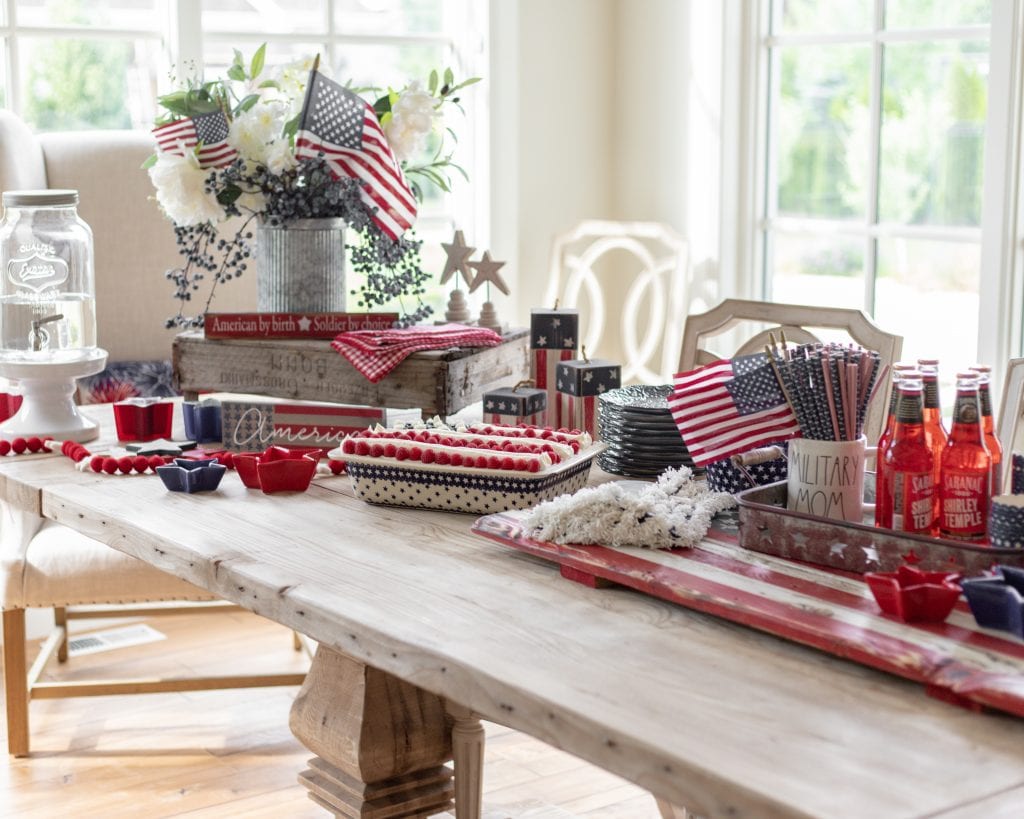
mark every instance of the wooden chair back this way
{"type": "Point", "coordinates": [635, 271]}
{"type": "Point", "coordinates": [798, 322]}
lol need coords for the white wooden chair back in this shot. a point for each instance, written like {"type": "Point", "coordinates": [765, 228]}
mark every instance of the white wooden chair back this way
{"type": "Point", "coordinates": [635, 271]}
{"type": "Point", "coordinates": [798, 322]}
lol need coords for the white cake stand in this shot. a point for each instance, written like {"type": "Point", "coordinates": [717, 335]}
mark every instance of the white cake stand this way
{"type": "Point", "coordinates": [47, 390]}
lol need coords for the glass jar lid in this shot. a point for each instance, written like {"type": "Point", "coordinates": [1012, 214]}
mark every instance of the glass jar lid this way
{"type": "Point", "coordinates": [39, 199]}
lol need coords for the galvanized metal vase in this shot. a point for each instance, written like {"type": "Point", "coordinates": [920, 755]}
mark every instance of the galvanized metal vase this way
{"type": "Point", "coordinates": [300, 266]}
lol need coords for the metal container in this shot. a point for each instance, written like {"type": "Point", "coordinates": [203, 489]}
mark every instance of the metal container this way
{"type": "Point", "coordinates": [300, 267]}
{"type": "Point", "coordinates": [767, 526]}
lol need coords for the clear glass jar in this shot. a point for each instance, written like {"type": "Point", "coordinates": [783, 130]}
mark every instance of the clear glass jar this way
{"type": "Point", "coordinates": [47, 294]}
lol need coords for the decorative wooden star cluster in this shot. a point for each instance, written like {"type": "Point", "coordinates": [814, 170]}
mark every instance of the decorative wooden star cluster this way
{"type": "Point", "coordinates": [459, 253]}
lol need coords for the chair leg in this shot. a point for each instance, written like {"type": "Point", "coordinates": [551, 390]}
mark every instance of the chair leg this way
{"type": "Point", "coordinates": [60, 618]}
{"type": "Point", "coordinates": [16, 682]}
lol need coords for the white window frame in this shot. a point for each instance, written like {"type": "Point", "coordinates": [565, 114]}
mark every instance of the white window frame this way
{"type": "Point", "coordinates": [745, 182]}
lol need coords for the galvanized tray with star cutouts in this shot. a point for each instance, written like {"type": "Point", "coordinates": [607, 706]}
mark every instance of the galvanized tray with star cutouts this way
{"type": "Point", "coordinates": [765, 525]}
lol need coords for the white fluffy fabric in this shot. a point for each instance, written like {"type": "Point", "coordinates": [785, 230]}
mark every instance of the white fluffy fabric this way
{"type": "Point", "coordinates": [675, 511]}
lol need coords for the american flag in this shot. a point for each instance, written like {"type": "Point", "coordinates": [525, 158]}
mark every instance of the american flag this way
{"type": "Point", "coordinates": [730, 407]}
{"type": "Point", "coordinates": [344, 128]}
{"type": "Point", "coordinates": [208, 131]}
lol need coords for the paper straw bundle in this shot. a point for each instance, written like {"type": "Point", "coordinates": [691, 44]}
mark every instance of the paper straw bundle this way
{"type": "Point", "coordinates": [828, 386]}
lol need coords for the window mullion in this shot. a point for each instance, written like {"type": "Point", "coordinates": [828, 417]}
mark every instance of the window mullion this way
{"type": "Point", "coordinates": [13, 78]}
{"type": "Point", "coordinates": [874, 161]}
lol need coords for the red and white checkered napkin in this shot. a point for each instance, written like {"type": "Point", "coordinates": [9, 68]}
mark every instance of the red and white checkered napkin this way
{"type": "Point", "coordinates": [375, 353]}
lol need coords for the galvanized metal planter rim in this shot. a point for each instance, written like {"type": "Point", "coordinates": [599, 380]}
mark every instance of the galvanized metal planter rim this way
{"type": "Point", "coordinates": [317, 223]}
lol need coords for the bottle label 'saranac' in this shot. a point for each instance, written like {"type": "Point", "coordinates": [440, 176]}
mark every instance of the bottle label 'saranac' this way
{"type": "Point", "coordinates": [931, 392]}
{"type": "Point", "coordinates": [963, 506]}
{"type": "Point", "coordinates": [913, 494]}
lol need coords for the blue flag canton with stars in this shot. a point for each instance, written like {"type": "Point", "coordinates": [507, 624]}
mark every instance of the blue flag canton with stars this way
{"type": "Point", "coordinates": [335, 114]}
{"type": "Point", "coordinates": [211, 128]}
{"type": "Point", "coordinates": [554, 330]}
{"type": "Point", "coordinates": [754, 387]}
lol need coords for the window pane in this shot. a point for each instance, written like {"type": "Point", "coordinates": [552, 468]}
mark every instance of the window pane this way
{"type": "Point", "coordinates": [295, 16]}
{"type": "Point", "coordinates": [819, 270]}
{"type": "Point", "coordinates": [69, 84]}
{"type": "Point", "coordinates": [928, 292]}
{"type": "Point", "coordinates": [814, 16]}
{"type": "Point", "coordinates": [936, 13]}
{"type": "Point", "coordinates": [389, 16]}
{"type": "Point", "coordinates": [384, 65]}
{"type": "Point", "coordinates": [822, 126]}
{"type": "Point", "coordinates": [131, 14]}
{"type": "Point", "coordinates": [219, 54]}
{"type": "Point", "coordinates": [933, 133]}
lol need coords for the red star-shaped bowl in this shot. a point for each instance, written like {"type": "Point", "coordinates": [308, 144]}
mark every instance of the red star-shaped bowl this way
{"type": "Point", "coordinates": [278, 468]}
{"type": "Point", "coordinates": [913, 595]}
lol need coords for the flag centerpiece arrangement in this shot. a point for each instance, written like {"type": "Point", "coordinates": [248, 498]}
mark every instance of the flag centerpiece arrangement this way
{"type": "Point", "coordinates": [819, 391]}
{"type": "Point", "coordinates": [729, 407]}
{"type": "Point", "coordinates": [288, 144]}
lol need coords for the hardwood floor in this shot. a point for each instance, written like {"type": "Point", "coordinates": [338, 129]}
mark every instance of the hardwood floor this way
{"type": "Point", "coordinates": [230, 754]}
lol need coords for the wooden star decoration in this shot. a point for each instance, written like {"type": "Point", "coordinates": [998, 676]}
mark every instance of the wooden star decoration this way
{"type": "Point", "coordinates": [487, 271]}
{"type": "Point", "coordinates": [458, 257]}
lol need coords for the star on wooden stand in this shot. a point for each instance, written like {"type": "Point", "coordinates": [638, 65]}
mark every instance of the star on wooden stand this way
{"type": "Point", "coordinates": [458, 258]}
{"type": "Point", "coordinates": [487, 271]}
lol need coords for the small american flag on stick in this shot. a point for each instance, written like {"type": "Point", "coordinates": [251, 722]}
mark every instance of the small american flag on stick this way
{"type": "Point", "coordinates": [730, 407]}
{"type": "Point", "coordinates": [208, 131]}
{"type": "Point", "coordinates": [340, 125]}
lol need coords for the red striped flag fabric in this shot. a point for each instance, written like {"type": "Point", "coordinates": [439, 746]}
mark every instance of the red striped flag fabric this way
{"type": "Point", "coordinates": [207, 131]}
{"type": "Point", "coordinates": [723, 410]}
{"type": "Point", "coordinates": [340, 125]}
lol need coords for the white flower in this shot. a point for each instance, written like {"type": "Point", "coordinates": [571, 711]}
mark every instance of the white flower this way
{"type": "Point", "coordinates": [291, 80]}
{"type": "Point", "coordinates": [181, 190]}
{"type": "Point", "coordinates": [253, 131]}
{"type": "Point", "coordinates": [413, 117]}
{"type": "Point", "coordinates": [280, 156]}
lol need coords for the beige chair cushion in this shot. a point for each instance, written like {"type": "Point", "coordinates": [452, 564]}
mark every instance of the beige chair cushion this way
{"type": "Point", "coordinates": [64, 568]}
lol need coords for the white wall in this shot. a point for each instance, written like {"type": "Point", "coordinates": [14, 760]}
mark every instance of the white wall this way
{"type": "Point", "coordinates": [603, 109]}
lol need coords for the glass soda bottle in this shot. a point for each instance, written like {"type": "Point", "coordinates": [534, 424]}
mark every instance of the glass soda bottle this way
{"type": "Point", "coordinates": [966, 468]}
{"type": "Point", "coordinates": [908, 467]}
{"type": "Point", "coordinates": [992, 444]}
{"type": "Point", "coordinates": [883, 443]}
{"type": "Point", "coordinates": [934, 430]}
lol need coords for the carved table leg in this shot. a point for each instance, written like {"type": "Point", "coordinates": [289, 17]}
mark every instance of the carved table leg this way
{"type": "Point", "coordinates": [468, 751]}
{"type": "Point", "coordinates": [380, 742]}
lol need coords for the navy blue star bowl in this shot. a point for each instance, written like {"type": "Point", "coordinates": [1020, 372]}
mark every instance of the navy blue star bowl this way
{"type": "Point", "coordinates": [998, 601]}
{"type": "Point", "coordinates": [192, 475]}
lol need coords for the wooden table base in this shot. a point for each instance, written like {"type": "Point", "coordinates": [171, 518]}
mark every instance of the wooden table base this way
{"type": "Point", "coordinates": [381, 743]}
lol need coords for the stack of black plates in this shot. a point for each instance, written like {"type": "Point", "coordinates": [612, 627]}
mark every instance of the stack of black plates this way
{"type": "Point", "coordinates": [641, 437]}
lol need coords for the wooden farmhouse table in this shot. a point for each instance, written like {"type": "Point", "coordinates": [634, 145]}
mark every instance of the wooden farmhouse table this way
{"type": "Point", "coordinates": [422, 624]}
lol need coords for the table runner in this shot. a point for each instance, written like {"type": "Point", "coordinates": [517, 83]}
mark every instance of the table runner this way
{"type": "Point", "coordinates": [828, 609]}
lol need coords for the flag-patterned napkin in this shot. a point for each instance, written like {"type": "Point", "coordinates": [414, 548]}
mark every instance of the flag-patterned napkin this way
{"type": "Point", "coordinates": [375, 353]}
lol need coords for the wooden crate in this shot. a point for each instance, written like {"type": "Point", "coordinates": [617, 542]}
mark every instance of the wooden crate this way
{"type": "Point", "coordinates": [438, 382]}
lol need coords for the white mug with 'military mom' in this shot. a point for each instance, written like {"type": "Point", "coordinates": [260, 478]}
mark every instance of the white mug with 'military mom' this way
{"type": "Point", "coordinates": [826, 478]}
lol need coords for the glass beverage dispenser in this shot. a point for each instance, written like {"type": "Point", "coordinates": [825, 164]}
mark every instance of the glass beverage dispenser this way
{"type": "Point", "coordinates": [47, 311]}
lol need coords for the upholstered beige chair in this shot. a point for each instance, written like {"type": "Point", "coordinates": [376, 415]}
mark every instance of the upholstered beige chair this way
{"type": "Point", "coordinates": [42, 564]}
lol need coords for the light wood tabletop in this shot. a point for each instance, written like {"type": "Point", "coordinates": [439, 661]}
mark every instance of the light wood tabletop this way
{"type": "Point", "coordinates": [703, 713]}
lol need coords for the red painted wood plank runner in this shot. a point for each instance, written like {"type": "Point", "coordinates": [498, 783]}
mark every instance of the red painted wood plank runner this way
{"type": "Point", "coordinates": [812, 605]}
